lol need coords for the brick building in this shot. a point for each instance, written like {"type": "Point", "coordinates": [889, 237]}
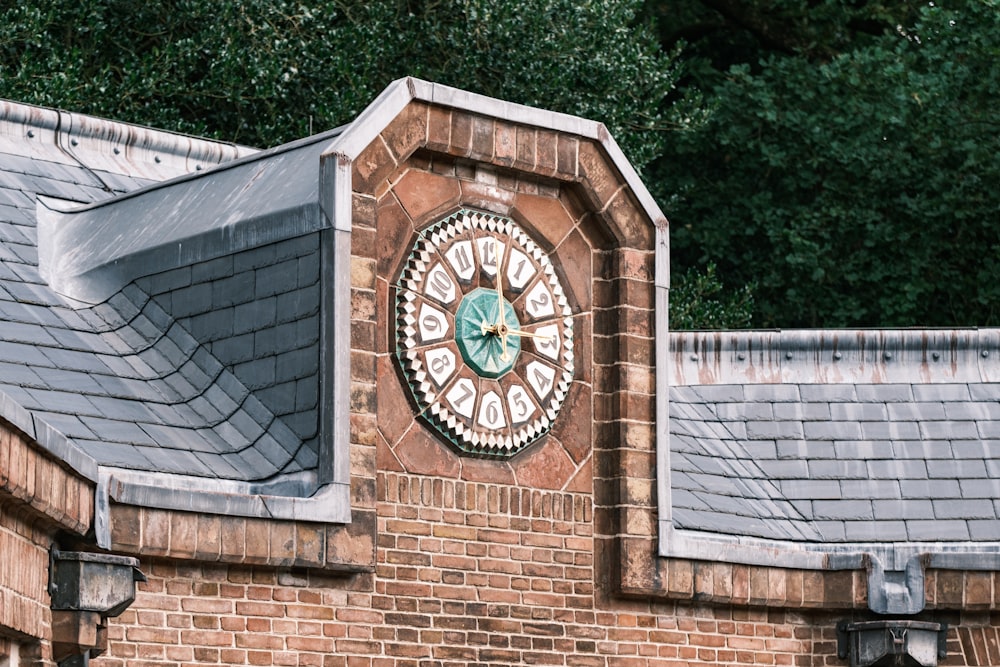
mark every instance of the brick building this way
{"type": "Point", "coordinates": [404, 393]}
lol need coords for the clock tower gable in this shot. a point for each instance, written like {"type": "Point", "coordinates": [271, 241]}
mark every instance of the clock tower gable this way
{"type": "Point", "coordinates": [424, 154]}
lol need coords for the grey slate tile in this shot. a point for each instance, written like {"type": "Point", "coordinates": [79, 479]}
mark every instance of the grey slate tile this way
{"type": "Point", "coordinates": [222, 401]}
{"type": "Point", "coordinates": [985, 531]}
{"type": "Point", "coordinates": [863, 412]}
{"type": "Point", "coordinates": [743, 411]}
{"type": "Point", "coordinates": [208, 364]}
{"type": "Point", "coordinates": [771, 430]}
{"type": "Point", "coordinates": [307, 393]}
{"type": "Point", "coordinates": [875, 531]}
{"type": "Point", "coordinates": [222, 467]}
{"type": "Point", "coordinates": [69, 425]}
{"type": "Point", "coordinates": [930, 488]}
{"type": "Point", "coordinates": [802, 411]}
{"type": "Point", "coordinates": [211, 326]}
{"type": "Point", "coordinates": [832, 531]}
{"type": "Point", "coordinates": [74, 360]}
{"type": "Point", "coordinates": [803, 449]}
{"type": "Point", "coordinates": [253, 465]}
{"type": "Point", "coordinates": [980, 488]}
{"type": "Point", "coordinates": [810, 489]}
{"type": "Point", "coordinates": [117, 455]}
{"type": "Point", "coordinates": [774, 393]}
{"type": "Point", "coordinates": [897, 469]}
{"type": "Point", "coordinates": [892, 431]}
{"type": "Point", "coordinates": [167, 281]}
{"type": "Point", "coordinates": [928, 531]}
{"type": "Point", "coordinates": [128, 388]}
{"type": "Point", "coordinates": [941, 392]}
{"type": "Point", "coordinates": [949, 430]}
{"type": "Point", "coordinates": [961, 469]}
{"type": "Point", "coordinates": [931, 450]}
{"type": "Point", "coordinates": [827, 393]}
{"type": "Point", "coordinates": [988, 429]}
{"type": "Point", "coordinates": [257, 314]}
{"type": "Point", "coordinates": [308, 268]}
{"type": "Point", "coordinates": [19, 375]}
{"type": "Point", "coordinates": [889, 510]}
{"type": "Point", "coordinates": [876, 489]}
{"type": "Point", "coordinates": [20, 332]}
{"type": "Point", "coordinates": [177, 461]}
{"type": "Point", "coordinates": [275, 454]}
{"type": "Point", "coordinates": [786, 469]}
{"type": "Point", "coordinates": [843, 510]}
{"type": "Point", "coordinates": [66, 402]}
{"type": "Point", "coordinates": [832, 430]}
{"type": "Point", "coordinates": [81, 340]}
{"type": "Point", "coordinates": [276, 279]}
{"type": "Point", "coordinates": [963, 509]}
{"type": "Point", "coordinates": [231, 291]}
{"type": "Point", "coordinates": [256, 374]}
{"type": "Point", "coordinates": [301, 303]}
{"type": "Point", "coordinates": [296, 247]}
{"type": "Point", "coordinates": [111, 430]}
{"type": "Point", "coordinates": [234, 350]}
{"type": "Point", "coordinates": [863, 449]}
{"type": "Point", "coordinates": [718, 393]}
{"type": "Point", "coordinates": [979, 411]}
{"type": "Point", "coordinates": [123, 410]}
{"type": "Point", "coordinates": [71, 381]}
{"type": "Point", "coordinates": [837, 469]}
{"type": "Point", "coordinates": [915, 411]}
{"type": "Point", "coordinates": [252, 259]}
{"type": "Point", "coordinates": [213, 269]}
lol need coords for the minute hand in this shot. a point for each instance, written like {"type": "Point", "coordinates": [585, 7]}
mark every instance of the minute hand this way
{"type": "Point", "coordinates": [500, 303]}
{"type": "Point", "coordinates": [528, 334]}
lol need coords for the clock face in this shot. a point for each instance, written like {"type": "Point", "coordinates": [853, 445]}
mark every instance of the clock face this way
{"type": "Point", "coordinates": [484, 334]}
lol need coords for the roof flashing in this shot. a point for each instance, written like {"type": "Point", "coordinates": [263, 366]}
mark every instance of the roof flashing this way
{"type": "Point", "coordinates": [90, 252]}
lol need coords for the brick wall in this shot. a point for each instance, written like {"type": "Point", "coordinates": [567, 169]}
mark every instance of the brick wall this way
{"type": "Point", "coordinates": [24, 567]}
{"type": "Point", "coordinates": [39, 499]}
{"type": "Point", "coordinates": [467, 573]}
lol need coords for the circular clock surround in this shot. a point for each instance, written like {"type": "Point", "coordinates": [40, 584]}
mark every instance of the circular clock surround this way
{"type": "Point", "coordinates": [484, 333]}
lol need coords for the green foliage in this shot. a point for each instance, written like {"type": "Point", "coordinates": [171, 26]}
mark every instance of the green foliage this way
{"type": "Point", "coordinates": [700, 301]}
{"type": "Point", "coordinates": [263, 72]}
{"type": "Point", "coordinates": [858, 190]}
{"type": "Point", "coordinates": [848, 169]}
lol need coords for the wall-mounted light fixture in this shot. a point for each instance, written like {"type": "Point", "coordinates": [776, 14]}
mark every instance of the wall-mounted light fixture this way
{"type": "Point", "coordinates": [897, 643]}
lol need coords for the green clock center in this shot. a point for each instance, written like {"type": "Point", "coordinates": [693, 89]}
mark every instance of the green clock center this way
{"type": "Point", "coordinates": [481, 334]}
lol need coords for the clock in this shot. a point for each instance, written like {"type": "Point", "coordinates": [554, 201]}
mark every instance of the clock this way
{"type": "Point", "coordinates": [484, 333]}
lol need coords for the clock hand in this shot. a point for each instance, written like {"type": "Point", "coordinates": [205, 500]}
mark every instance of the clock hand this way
{"type": "Point", "coordinates": [528, 334]}
{"type": "Point", "coordinates": [500, 328]}
{"type": "Point", "coordinates": [496, 259]}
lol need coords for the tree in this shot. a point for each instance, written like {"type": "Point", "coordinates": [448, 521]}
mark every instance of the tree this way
{"type": "Point", "coordinates": [263, 72]}
{"type": "Point", "coordinates": [850, 178]}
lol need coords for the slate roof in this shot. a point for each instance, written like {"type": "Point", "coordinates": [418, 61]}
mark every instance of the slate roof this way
{"type": "Point", "coordinates": [136, 381]}
{"type": "Point", "coordinates": [837, 437]}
